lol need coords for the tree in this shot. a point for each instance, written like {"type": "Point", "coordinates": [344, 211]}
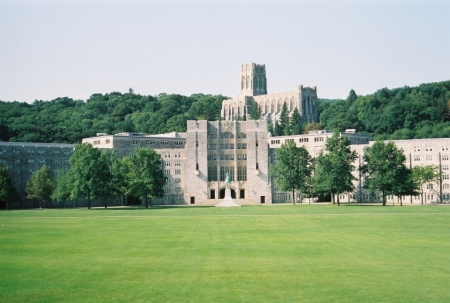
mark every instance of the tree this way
{"type": "Point", "coordinates": [277, 131]}
{"type": "Point", "coordinates": [383, 163]}
{"type": "Point", "coordinates": [311, 126]}
{"type": "Point", "coordinates": [284, 119]}
{"type": "Point", "coordinates": [334, 167]}
{"type": "Point", "coordinates": [295, 123]}
{"type": "Point", "coordinates": [89, 172]}
{"type": "Point", "coordinates": [8, 192]}
{"type": "Point", "coordinates": [62, 190]}
{"type": "Point", "coordinates": [146, 176]}
{"type": "Point", "coordinates": [119, 175]}
{"type": "Point", "coordinates": [424, 175]}
{"type": "Point", "coordinates": [407, 187]}
{"type": "Point", "coordinates": [255, 112]}
{"type": "Point", "coordinates": [293, 168]}
{"type": "Point", "coordinates": [40, 186]}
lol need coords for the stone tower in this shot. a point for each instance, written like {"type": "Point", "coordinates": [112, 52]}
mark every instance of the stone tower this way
{"type": "Point", "coordinates": [253, 79]}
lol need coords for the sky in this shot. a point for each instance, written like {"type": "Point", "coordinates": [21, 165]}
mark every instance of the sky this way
{"type": "Point", "coordinates": [65, 48]}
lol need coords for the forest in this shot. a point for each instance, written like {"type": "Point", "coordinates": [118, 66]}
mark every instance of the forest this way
{"type": "Point", "coordinates": [400, 113]}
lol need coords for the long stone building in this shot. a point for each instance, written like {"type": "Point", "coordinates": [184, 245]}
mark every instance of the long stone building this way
{"type": "Point", "coordinates": [196, 162]}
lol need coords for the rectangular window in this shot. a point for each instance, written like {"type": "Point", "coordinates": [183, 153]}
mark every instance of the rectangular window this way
{"type": "Point", "coordinates": [177, 180]}
{"type": "Point", "coordinates": [446, 186]}
{"type": "Point", "coordinates": [30, 161]}
{"type": "Point", "coordinates": [445, 167]}
{"type": "Point", "coordinates": [429, 186]}
{"type": "Point", "coordinates": [134, 142]}
{"type": "Point", "coordinates": [429, 157]}
{"type": "Point", "coordinates": [97, 142]}
{"type": "Point", "coordinates": [417, 158]}
{"type": "Point", "coordinates": [177, 172]}
{"type": "Point", "coordinates": [212, 194]}
{"type": "Point", "coordinates": [241, 194]}
{"type": "Point", "coordinates": [445, 177]}
{"type": "Point", "coordinates": [164, 142]}
{"type": "Point", "coordinates": [150, 142]}
{"type": "Point", "coordinates": [444, 157]}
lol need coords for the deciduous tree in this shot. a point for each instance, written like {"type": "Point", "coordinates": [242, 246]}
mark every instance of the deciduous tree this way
{"type": "Point", "coordinates": [40, 186]}
{"type": "Point", "coordinates": [146, 176]}
{"type": "Point", "coordinates": [383, 163]}
{"type": "Point", "coordinates": [8, 192]}
{"type": "Point", "coordinates": [293, 168]}
{"type": "Point", "coordinates": [422, 175]}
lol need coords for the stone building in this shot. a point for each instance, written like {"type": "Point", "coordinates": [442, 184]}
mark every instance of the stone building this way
{"type": "Point", "coordinates": [197, 161]}
{"type": "Point", "coordinates": [253, 91]}
{"type": "Point", "coordinates": [23, 159]}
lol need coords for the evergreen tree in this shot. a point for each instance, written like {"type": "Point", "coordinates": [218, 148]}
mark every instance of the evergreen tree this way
{"type": "Point", "coordinates": [277, 129]}
{"type": "Point", "coordinates": [40, 186]}
{"type": "Point", "coordinates": [255, 112]}
{"type": "Point", "coordinates": [284, 118]}
{"type": "Point", "coordinates": [295, 123]}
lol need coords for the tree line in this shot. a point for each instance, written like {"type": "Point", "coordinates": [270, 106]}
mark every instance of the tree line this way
{"type": "Point", "coordinates": [330, 173]}
{"type": "Point", "coordinates": [400, 113]}
{"type": "Point", "coordinates": [64, 120]}
{"type": "Point", "coordinates": [94, 175]}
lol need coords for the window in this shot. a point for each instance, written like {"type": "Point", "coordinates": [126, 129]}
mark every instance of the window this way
{"type": "Point", "coordinates": [429, 186]}
{"type": "Point", "coordinates": [429, 157]}
{"type": "Point", "coordinates": [446, 186]}
{"type": "Point", "coordinates": [303, 140]}
{"type": "Point", "coordinates": [66, 163]}
{"type": "Point", "coordinates": [429, 148]}
{"type": "Point", "coordinates": [177, 163]}
{"type": "Point", "coordinates": [179, 143]}
{"type": "Point", "coordinates": [177, 154]}
{"type": "Point", "coordinates": [417, 158]}
{"type": "Point", "coordinates": [41, 152]}
{"type": "Point", "coordinates": [445, 167]}
{"type": "Point", "coordinates": [56, 153]}
{"type": "Point", "coordinates": [166, 163]}
{"type": "Point", "coordinates": [416, 148]}
{"type": "Point", "coordinates": [318, 139]}
{"type": "Point", "coordinates": [107, 141]}
{"type": "Point", "coordinates": [177, 172]}
{"type": "Point", "coordinates": [242, 173]}
{"type": "Point", "coordinates": [56, 162]}
{"type": "Point", "coordinates": [134, 142]}
{"type": "Point", "coordinates": [275, 142]}
{"type": "Point", "coordinates": [444, 157]}
{"type": "Point", "coordinates": [288, 140]}
{"type": "Point", "coordinates": [30, 161]}
{"type": "Point", "coordinates": [31, 171]}
{"type": "Point", "coordinates": [41, 162]}
{"type": "Point", "coordinates": [164, 142]}
{"type": "Point", "coordinates": [150, 142]}
{"type": "Point", "coordinates": [167, 171]}
{"type": "Point", "coordinates": [167, 155]}
{"type": "Point", "coordinates": [445, 177]}
{"type": "Point", "coordinates": [177, 180]}
{"type": "Point", "coordinates": [196, 143]}
{"type": "Point", "coordinates": [444, 147]}
{"type": "Point", "coordinates": [17, 161]}
{"type": "Point", "coordinates": [97, 142]}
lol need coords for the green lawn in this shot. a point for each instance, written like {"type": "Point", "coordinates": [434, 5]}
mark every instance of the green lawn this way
{"type": "Point", "coordinates": [303, 253]}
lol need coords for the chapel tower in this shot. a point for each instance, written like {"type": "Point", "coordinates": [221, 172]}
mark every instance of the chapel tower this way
{"type": "Point", "coordinates": [253, 79]}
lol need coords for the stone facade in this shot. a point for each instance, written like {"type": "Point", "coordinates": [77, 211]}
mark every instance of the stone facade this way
{"type": "Point", "coordinates": [254, 92]}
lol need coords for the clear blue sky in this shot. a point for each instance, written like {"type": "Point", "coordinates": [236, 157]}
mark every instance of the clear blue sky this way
{"type": "Point", "coordinates": [59, 48]}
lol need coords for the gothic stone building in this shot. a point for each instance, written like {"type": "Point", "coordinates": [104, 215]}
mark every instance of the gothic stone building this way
{"type": "Point", "coordinates": [253, 91]}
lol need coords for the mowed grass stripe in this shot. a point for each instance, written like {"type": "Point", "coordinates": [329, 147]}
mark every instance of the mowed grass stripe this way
{"type": "Point", "coordinates": [204, 258]}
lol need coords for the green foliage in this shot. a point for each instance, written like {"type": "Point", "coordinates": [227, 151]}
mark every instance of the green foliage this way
{"type": "Point", "coordinates": [334, 168]}
{"type": "Point", "coordinates": [66, 120]}
{"type": "Point", "coordinates": [8, 192]}
{"type": "Point", "coordinates": [312, 126]}
{"type": "Point", "coordinates": [277, 129]}
{"type": "Point", "coordinates": [63, 185]}
{"type": "Point", "coordinates": [293, 168]}
{"type": "Point", "coordinates": [295, 123]}
{"type": "Point", "coordinates": [284, 119]}
{"type": "Point", "coordinates": [145, 175]}
{"type": "Point", "coordinates": [255, 112]}
{"type": "Point", "coordinates": [40, 186]}
{"type": "Point", "coordinates": [90, 173]}
{"type": "Point", "coordinates": [401, 113]}
{"type": "Point", "coordinates": [384, 167]}
{"type": "Point", "coordinates": [422, 175]}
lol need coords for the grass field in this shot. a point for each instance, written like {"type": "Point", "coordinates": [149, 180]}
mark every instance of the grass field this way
{"type": "Point", "coordinates": [205, 254]}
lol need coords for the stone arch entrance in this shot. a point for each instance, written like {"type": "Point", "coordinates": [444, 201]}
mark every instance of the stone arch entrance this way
{"type": "Point", "coordinates": [222, 193]}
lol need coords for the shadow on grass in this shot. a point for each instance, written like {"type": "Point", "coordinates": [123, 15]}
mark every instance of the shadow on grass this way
{"type": "Point", "coordinates": [150, 208]}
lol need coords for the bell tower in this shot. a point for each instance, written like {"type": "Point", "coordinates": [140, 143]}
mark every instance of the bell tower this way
{"type": "Point", "coordinates": [253, 79]}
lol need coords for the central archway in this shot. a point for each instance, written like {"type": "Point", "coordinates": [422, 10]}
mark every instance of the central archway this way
{"type": "Point", "coordinates": [222, 193]}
